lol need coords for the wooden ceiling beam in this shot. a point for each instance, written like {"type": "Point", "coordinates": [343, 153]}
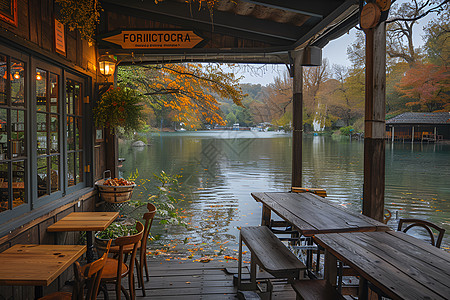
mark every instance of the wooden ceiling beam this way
{"type": "Point", "coordinates": [325, 22]}
{"type": "Point", "coordinates": [181, 14]}
{"type": "Point", "coordinates": [317, 9]}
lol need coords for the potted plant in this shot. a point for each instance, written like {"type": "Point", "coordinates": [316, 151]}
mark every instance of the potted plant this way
{"type": "Point", "coordinates": [119, 107]}
{"type": "Point", "coordinates": [116, 229]}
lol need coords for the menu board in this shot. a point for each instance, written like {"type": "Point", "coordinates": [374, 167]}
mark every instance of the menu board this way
{"type": "Point", "coordinates": [8, 11]}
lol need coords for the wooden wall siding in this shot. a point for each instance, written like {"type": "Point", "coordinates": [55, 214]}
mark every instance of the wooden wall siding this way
{"type": "Point", "coordinates": [116, 21]}
{"type": "Point", "coordinates": [38, 235]}
{"type": "Point", "coordinates": [36, 24]}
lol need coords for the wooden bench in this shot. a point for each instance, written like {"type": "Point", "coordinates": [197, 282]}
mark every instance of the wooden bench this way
{"type": "Point", "coordinates": [315, 290]}
{"type": "Point", "coordinates": [270, 254]}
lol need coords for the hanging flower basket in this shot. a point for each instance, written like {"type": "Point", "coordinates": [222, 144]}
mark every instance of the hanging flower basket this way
{"type": "Point", "coordinates": [114, 190]}
{"type": "Point", "coordinates": [119, 107]}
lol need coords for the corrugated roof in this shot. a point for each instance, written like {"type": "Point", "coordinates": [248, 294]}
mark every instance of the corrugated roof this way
{"type": "Point", "coordinates": [421, 118]}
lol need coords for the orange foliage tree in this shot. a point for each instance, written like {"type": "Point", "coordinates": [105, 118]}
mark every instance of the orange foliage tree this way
{"type": "Point", "coordinates": [428, 87]}
{"type": "Point", "coordinates": [185, 93]}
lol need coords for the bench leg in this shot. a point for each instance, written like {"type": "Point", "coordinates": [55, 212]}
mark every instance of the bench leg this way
{"type": "Point", "coordinates": [253, 272]}
{"type": "Point", "coordinates": [240, 263]}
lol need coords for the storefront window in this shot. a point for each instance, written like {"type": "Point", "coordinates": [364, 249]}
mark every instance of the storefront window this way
{"type": "Point", "coordinates": [48, 144]}
{"type": "Point", "coordinates": [74, 130]}
{"type": "Point", "coordinates": [13, 153]}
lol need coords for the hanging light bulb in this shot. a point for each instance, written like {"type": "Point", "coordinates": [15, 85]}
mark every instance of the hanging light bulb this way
{"type": "Point", "coordinates": [16, 75]}
{"type": "Point", "coordinates": [38, 76]}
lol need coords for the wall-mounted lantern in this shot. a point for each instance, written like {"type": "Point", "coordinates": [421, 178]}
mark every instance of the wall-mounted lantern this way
{"type": "Point", "coordinates": [107, 65]}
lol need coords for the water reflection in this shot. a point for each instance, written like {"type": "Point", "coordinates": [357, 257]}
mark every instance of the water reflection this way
{"type": "Point", "coordinates": [221, 169]}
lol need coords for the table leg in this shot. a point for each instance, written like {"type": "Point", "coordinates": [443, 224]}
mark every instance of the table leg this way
{"type": "Point", "coordinates": [330, 266]}
{"type": "Point", "coordinates": [90, 247]}
{"type": "Point", "coordinates": [240, 263]}
{"type": "Point", "coordinates": [266, 214]}
{"type": "Point", "coordinates": [363, 292]}
{"type": "Point", "coordinates": [38, 291]}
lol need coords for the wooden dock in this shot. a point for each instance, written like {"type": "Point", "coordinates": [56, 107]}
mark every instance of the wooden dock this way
{"type": "Point", "coordinates": [188, 280]}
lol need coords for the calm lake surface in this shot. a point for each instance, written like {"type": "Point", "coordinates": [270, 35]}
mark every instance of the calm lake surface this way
{"type": "Point", "coordinates": [221, 168]}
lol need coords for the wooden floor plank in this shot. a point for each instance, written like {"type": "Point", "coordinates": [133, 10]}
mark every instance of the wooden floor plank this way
{"type": "Point", "coordinates": [193, 281]}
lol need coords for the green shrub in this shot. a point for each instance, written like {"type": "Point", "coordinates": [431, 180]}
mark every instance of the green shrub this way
{"type": "Point", "coordinates": [347, 130]}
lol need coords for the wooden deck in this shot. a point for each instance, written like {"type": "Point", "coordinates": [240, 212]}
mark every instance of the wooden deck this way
{"type": "Point", "coordinates": [188, 280]}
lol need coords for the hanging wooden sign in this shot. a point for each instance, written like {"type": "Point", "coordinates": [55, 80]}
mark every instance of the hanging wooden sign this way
{"type": "Point", "coordinates": [8, 11]}
{"type": "Point", "coordinates": [155, 39]}
{"type": "Point", "coordinates": [60, 39]}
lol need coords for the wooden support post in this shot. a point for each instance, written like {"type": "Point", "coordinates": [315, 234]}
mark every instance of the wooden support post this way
{"type": "Point", "coordinates": [393, 133]}
{"type": "Point", "coordinates": [412, 135]}
{"type": "Point", "coordinates": [111, 152]}
{"type": "Point", "coordinates": [297, 119]}
{"type": "Point", "coordinates": [374, 142]}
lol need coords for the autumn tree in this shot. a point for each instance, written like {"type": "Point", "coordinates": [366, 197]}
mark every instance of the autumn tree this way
{"type": "Point", "coordinates": [276, 100]}
{"type": "Point", "coordinates": [428, 88]}
{"type": "Point", "coordinates": [347, 99]}
{"type": "Point", "coordinates": [437, 46]}
{"type": "Point", "coordinates": [400, 28]}
{"type": "Point", "coordinates": [184, 92]}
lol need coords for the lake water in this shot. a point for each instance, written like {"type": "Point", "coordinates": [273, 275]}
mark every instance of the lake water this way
{"type": "Point", "coordinates": [221, 168]}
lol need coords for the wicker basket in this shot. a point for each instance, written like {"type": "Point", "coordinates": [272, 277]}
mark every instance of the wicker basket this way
{"type": "Point", "coordinates": [114, 194]}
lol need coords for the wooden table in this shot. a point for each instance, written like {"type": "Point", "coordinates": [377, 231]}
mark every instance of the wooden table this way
{"type": "Point", "coordinates": [311, 214]}
{"type": "Point", "coordinates": [85, 221]}
{"type": "Point", "coordinates": [401, 266]}
{"type": "Point", "coordinates": [37, 265]}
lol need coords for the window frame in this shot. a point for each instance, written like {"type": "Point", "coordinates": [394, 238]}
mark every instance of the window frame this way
{"type": "Point", "coordinates": [32, 62]}
{"type": "Point", "coordinates": [40, 201]}
{"type": "Point", "coordinates": [13, 212]}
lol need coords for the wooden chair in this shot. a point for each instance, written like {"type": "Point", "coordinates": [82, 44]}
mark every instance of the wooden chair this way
{"type": "Point", "coordinates": [428, 226]}
{"type": "Point", "coordinates": [116, 269]}
{"type": "Point", "coordinates": [91, 277]}
{"type": "Point", "coordinates": [142, 261]}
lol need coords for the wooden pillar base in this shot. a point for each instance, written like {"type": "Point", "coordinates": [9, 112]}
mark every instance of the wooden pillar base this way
{"type": "Point", "coordinates": [374, 173]}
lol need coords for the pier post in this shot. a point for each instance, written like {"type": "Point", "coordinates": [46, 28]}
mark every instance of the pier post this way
{"type": "Point", "coordinates": [374, 142]}
{"type": "Point", "coordinates": [297, 118]}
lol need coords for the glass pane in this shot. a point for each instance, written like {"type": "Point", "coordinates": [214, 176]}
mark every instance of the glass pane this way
{"type": "Point", "coordinates": [41, 90]}
{"type": "Point", "coordinates": [77, 99]}
{"type": "Point", "coordinates": [70, 132]}
{"type": "Point", "coordinates": [71, 169]}
{"type": "Point", "coordinates": [54, 177]}
{"type": "Point", "coordinates": [4, 205]}
{"type": "Point", "coordinates": [78, 139]}
{"type": "Point", "coordinates": [3, 77]}
{"type": "Point", "coordinates": [69, 97]}
{"type": "Point", "coordinates": [54, 134]}
{"type": "Point", "coordinates": [79, 166]}
{"type": "Point", "coordinates": [18, 133]}
{"type": "Point", "coordinates": [42, 177]}
{"type": "Point", "coordinates": [54, 95]}
{"type": "Point", "coordinates": [3, 134]}
{"type": "Point", "coordinates": [18, 183]}
{"type": "Point", "coordinates": [41, 133]}
{"type": "Point", "coordinates": [17, 83]}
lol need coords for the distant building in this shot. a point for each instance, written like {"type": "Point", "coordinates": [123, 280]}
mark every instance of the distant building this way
{"type": "Point", "coordinates": [420, 126]}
